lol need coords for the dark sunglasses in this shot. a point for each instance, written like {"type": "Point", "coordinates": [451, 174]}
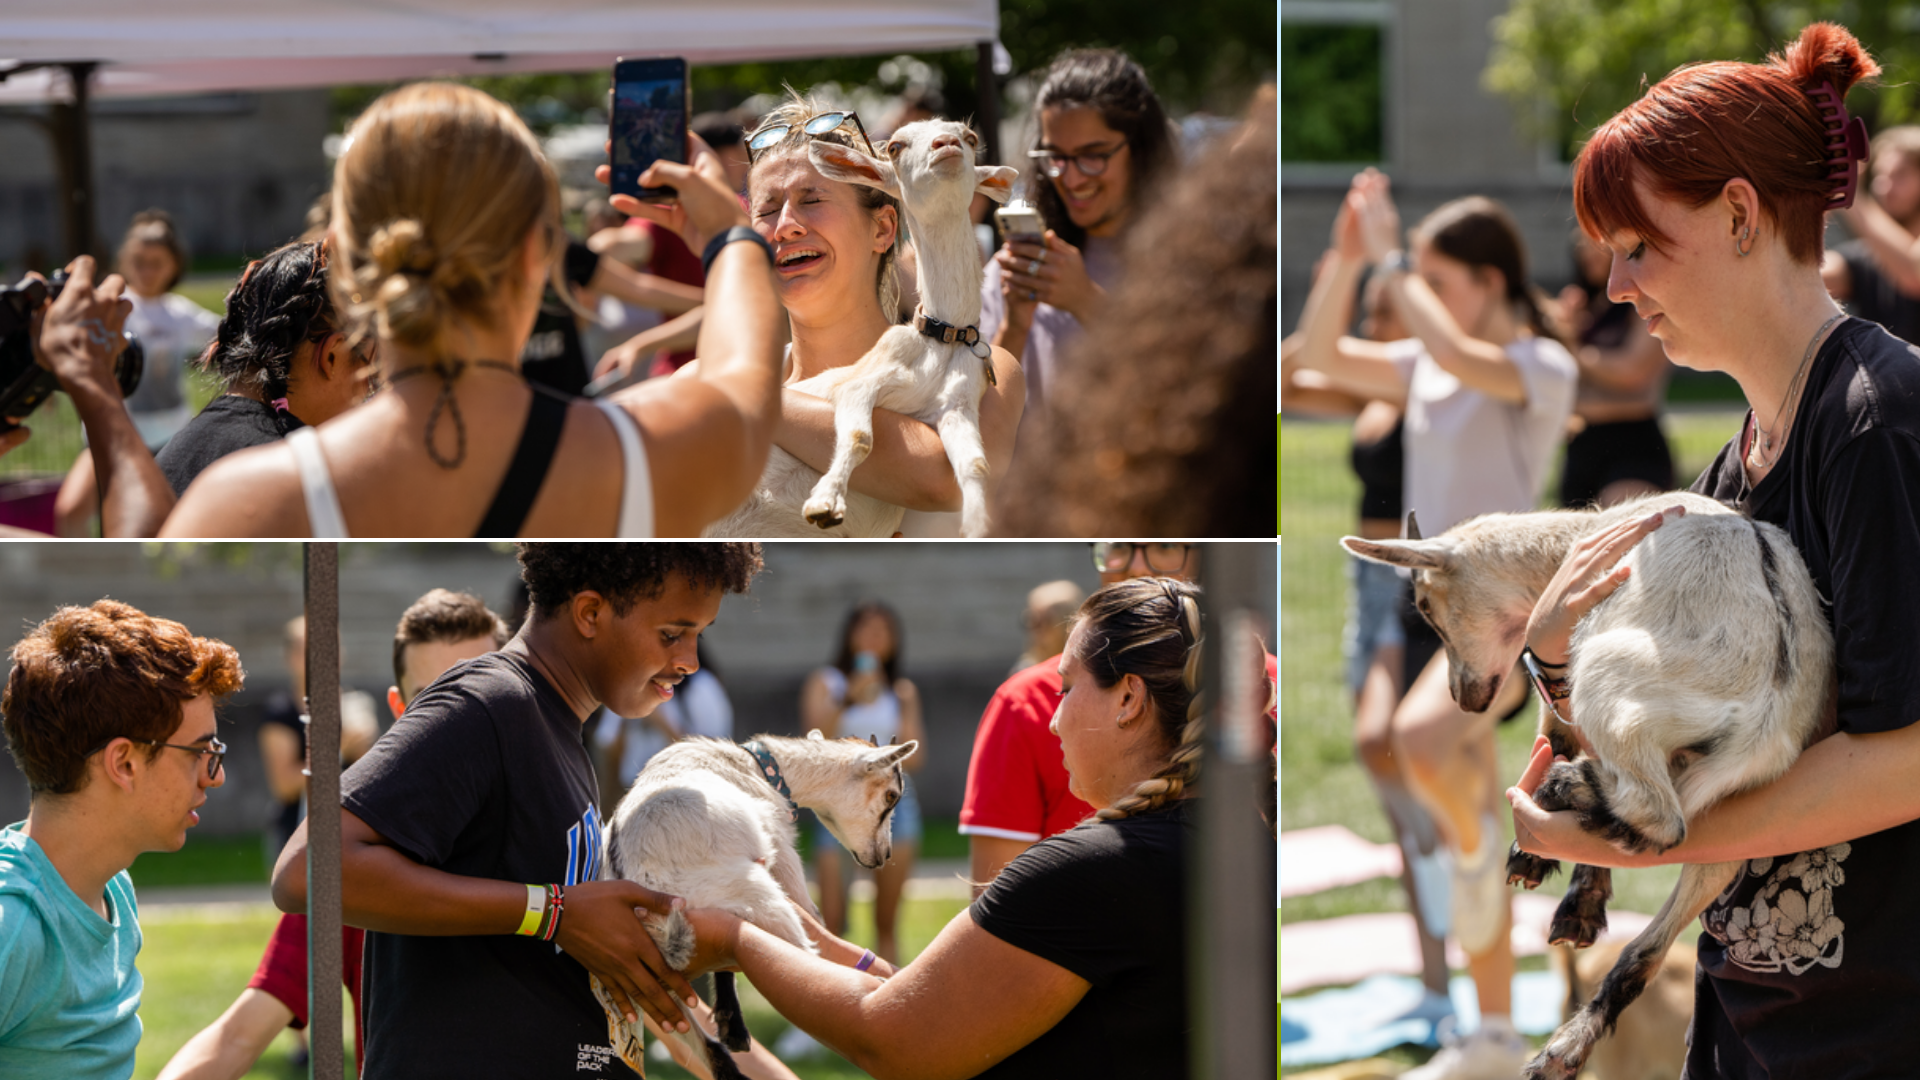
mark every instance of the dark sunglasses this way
{"type": "Point", "coordinates": [772, 135]}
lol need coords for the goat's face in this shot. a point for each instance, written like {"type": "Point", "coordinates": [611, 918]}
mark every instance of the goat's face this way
{"type": "Point", "coordinates": [1481, 621]}
{"type": "Point", "coordinates": [929, 165]}
{"type": "Point", "coordinates": [861, 817]}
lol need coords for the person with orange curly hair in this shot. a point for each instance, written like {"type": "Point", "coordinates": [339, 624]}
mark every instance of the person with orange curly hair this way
{"type": "Point", "coordinates": [110, 714]}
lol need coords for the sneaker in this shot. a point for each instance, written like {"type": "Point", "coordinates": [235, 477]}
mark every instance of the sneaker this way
{"type": "Point", "coordinates": [1493, 1052]}
{"type": "Point", "coordinates": [1480, 898]}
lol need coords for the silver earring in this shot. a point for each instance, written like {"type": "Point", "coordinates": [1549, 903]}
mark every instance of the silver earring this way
{"type": "Point", "coordinates": [1746, 234]}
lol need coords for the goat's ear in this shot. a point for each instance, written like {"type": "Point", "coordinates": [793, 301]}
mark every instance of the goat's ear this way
{"type": "Point", "coordinates": [850, 166]}
{"type": "Point", "coordinates": [1434, 554]}
{"type": "Point", "coordinates": [996, 181]}
{"type": "Point", "coordinates": [889, 756]}
{"type": "Point", "coordinates": [816, 736]}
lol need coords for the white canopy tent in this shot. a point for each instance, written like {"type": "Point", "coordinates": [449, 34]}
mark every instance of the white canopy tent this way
{"type": "Point", "coordinates": [63, 54]}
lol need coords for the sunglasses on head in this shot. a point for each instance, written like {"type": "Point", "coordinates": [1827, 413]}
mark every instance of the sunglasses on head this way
{"type": "Point", "coordinates": [772, 135]}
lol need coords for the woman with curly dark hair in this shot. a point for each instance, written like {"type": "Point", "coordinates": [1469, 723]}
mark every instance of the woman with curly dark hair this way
{"type": "Point", "coordinates": [1167, 387]}
{"type": "Point", "coordinates": [283, 358]}
{"type": "Point", "coordinates": [1102, 146]}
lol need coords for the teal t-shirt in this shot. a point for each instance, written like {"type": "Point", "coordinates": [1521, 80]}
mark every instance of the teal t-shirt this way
{"type": "Point", "coordinates": [69, 993]}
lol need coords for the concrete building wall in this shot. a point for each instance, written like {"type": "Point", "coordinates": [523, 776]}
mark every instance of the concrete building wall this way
{"type": "Point", "coordinates": [960, 605]}
{"type": "Point", "coordinates": [237, 171]}
{"type": "Point", "coordinates": [1447, 137]}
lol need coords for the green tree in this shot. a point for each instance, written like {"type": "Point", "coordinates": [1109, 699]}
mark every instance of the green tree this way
{"type": "Point", "coordinates": [1571, 64]}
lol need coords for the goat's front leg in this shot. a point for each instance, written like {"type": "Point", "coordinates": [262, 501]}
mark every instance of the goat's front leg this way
{"type": "Point", "coordinates": [1582, 915]}
{"type": "Point", "coordinates": [959, 429]}
{"type": "Point", "coordinates": [852, 442]}
{"type": "Point", "coordinates": [1567, 1051]}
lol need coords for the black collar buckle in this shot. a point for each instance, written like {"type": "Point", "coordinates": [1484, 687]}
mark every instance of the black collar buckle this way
{"type": "Point", "coordinates": [949, 334]}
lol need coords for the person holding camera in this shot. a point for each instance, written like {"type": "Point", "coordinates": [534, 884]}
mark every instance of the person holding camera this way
{"type": "Point", "coordinates": [78, 336]}
{"type": "Point", "coordinates": [1104, 144]}
{"type": "Point", "coordinates": [445, 228]}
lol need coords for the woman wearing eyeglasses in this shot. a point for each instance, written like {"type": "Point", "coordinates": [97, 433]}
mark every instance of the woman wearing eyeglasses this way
{"type": "Point", "coordinates": [1103, 145]}
{"type": "Point", "coordinates": [835, 247]}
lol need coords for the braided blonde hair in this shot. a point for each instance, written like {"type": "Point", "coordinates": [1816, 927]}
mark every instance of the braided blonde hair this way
{"type": "Point", "coordinates": [1150, 628]}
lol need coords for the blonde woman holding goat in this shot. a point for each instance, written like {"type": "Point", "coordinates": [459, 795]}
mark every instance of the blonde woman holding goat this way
{"type": "Point", "coordinates": [1055, 971]}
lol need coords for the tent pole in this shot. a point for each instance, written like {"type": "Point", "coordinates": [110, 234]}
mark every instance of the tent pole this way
{"type": "Point", "coordinates": [987, 92]}
{"type": "Point", "coordinates": [323, 811]}
{"type": "Point", "coordinates": [1230, 872]}
{"type": "Point", "coordinates": [72, 148]}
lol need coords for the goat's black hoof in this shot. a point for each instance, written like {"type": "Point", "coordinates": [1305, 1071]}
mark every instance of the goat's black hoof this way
{"type": "Point", "coordinates": [1528, 871]}
{"type": "Point", "coordinates": [733, 1032]}
{"type": "Point", "coordinates": [1579, 921]}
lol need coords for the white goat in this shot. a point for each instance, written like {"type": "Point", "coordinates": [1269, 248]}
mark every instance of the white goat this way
{"type": "Point", "coordinates": [706, 821]}
{"type": "Point", "coordinates": [934, 370]}
{"type": "Point", "coordinates": [1706, 673]}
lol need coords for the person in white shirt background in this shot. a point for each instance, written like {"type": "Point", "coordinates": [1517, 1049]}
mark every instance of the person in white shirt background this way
{"type": "Point", "coordinates": [172, 329]}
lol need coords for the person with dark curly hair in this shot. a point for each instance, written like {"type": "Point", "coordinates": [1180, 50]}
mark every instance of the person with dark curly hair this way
{"type": "Point", "coordinates": [1102, 148]}
{"type": "Point", "coordinates": [283, 358]}
{"type": "Point", "coordinates": [1166, 387]}
{"type": "Point", "coordinates": [470, 833]}
{"type": "Point", "coordinates": [110, 714]}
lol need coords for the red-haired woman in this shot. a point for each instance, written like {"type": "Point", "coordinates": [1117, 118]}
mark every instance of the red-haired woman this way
{"type": "Point", "coordinates": [1712, 192]}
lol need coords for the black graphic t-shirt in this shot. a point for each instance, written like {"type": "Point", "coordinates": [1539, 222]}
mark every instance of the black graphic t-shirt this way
{"type": "Point", "coordinates": [1808, 965]}
{"type": "Point", "coordinates": [1105, 900]}
{"type": "Point", "coordinates": [486, 775]}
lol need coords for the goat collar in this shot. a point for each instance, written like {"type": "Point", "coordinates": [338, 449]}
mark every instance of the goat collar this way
{"type": "Point", "coordinates": [949, 334]}
{"type": "Point", "coordinates": [770, 771]}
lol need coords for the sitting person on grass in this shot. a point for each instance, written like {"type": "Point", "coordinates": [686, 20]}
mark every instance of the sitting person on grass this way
{"type": "Point", "coordinates": [109, 713]}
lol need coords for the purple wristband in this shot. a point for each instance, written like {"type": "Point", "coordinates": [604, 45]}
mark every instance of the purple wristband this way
{"type": "Point", "coordinates": [866, 961]}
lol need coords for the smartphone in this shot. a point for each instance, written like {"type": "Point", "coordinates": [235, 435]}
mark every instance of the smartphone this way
{"type": "Point", "coordinates": [649, 121]}
{"type": "Point", "coordinates": [1018, 220]}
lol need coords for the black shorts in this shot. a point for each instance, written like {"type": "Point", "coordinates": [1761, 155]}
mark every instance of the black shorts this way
{"type": "Point", "coordinates": [1604, 453]}
{"type": "Point", "coordinates": [1423, 643]}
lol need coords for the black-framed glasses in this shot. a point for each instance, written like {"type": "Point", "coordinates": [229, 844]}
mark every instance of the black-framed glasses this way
{"type": "Point", "coordinates": [1089, 162]}
{"type": "Point", "coordinates": [215, 751]}
{"type": "Point", "coordinates": [771, 135]}
{"type": "Point", "coordinates": [1111, 558]}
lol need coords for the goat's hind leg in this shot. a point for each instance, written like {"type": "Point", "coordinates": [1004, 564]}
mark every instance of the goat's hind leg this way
{"type": "Point", "coordinates": [959, 429]}
{"type": "Point", "coordinates": [852, 442]}
{"type": "Point", "coordinates": [1567, 1051]}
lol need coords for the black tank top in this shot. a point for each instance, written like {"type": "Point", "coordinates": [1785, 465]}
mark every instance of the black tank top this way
{"type": "Point", "coordinates": [1380, 466]}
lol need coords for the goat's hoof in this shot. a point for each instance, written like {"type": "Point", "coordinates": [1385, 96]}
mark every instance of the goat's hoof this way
{"type": "Point", "coordinates": [1528, 871]}
{"type": "Point", "coordinates": [1576, 928]}
{"type": "Point", "coordinates": [1560, 1059]}
{"type": "Point", "coordinates": [825, 512]}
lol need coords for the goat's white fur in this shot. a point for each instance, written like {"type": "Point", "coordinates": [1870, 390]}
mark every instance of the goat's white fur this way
{"type": "Point", "coordinates": [701, 822]}
{"type": "Point", "coordinates": [934, 176]}
{"type": "Point", "coordinates": [1717, 640]}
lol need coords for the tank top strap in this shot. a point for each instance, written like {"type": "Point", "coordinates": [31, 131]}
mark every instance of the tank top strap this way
{"type": "Point", "coordinates": [325, 521]}
{"type": "Point", "coordinates": [636, 496]}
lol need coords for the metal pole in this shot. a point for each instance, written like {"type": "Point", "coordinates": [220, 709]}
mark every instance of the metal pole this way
{"type": "Point", "coordinates": [987, 92]}
{"type": "Point", "coordinates": [323, 811]}
{"type": "Point", "coordinates": [73, 156]}
{"type": "Point", "coordinates": [1229, 877]}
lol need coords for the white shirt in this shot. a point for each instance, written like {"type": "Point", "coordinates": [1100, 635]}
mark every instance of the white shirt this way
{"type": "Point", "coordinates": [172, 330]}
{"type": "Point", "coordinates": [1468, 453]}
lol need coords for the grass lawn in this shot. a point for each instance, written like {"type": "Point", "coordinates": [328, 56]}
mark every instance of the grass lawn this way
{"type": "Point", "coordinates": [1321, 783]}
{"type": "Point", "coordinates": [197, 960]}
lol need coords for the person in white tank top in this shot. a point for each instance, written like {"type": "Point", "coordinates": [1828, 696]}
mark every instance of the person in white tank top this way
{"type": "Point", "coordinates": [449, 286]}
{"type": "Point", "coordinates": [862, 695]}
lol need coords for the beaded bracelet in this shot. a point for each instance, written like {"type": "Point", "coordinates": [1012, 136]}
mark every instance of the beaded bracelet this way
{"type": "Point", "coordinates": [556, 902]}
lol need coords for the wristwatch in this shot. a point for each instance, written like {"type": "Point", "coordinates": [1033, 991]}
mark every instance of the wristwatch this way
{"type": "Point", "coordinates": [1396, 262]}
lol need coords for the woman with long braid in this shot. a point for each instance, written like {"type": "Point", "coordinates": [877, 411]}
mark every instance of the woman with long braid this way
{"type": "Point", "coordinates": [283, 357]}
{"type": "Point", "coordinates": [1071, 963]}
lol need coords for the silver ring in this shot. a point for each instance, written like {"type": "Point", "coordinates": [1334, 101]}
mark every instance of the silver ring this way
{"type": "Point", "coordinates": [1033, 267]}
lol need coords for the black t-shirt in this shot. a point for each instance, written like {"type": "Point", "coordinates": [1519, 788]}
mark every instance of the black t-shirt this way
{"type": "Point", "coordinates": [1872, 295]}
{"type": "Point", "coordinates": [1808, 966]}
{"type": "Point", "coordinates": [1107, 901]}
{"type": "Point", "coordinates": [486, 775]}
{"type": "Point", "coordinates": [283, 711]}
{"type": "Point", "coordinates": [228, 424]}
{"type": "Point", "coordinates": [553, 356]}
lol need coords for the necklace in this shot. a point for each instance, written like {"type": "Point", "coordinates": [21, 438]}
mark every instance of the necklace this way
{"type": "Point", "coordinates": [448, 370]}
{"type": "Point", "coordinates": [1763, 439]}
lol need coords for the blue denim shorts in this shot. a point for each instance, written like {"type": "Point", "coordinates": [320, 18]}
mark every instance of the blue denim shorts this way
{"type": "Point", "coordinates": [1373, 616]}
